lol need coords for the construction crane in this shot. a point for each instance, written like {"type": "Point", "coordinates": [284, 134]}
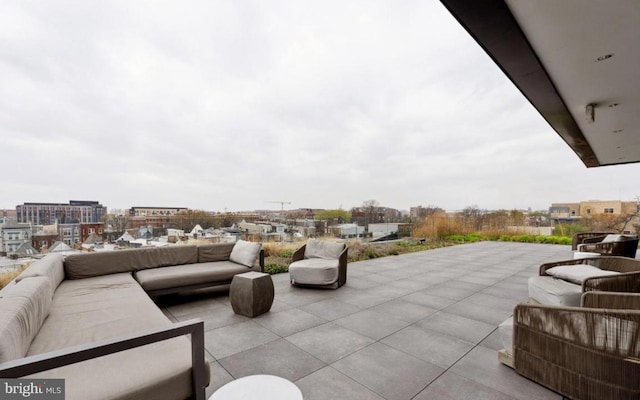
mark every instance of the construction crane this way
{"type": "Point", "coordinates": [282, 203]}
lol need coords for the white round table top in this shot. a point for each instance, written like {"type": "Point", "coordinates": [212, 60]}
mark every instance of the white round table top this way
{"type": "Point", "coordinates": [262, 387]}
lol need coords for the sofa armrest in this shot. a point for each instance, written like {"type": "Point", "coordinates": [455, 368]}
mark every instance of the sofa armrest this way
{"type": "Point", "coordinates": [299, 254]}
{"type": "Point", "coordinates": [71, 355]}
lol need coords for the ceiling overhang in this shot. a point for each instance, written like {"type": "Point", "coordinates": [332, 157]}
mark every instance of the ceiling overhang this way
{"type": "Point", "coordinates": [567, 57]}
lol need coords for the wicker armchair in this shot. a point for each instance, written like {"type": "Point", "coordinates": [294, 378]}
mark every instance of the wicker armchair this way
{"type": "Point", "coordinates": [628, 280]}
{"type": "Point", "coordinates": [588, 352]}
{"type": "Point", "coordinates": [587, 237]}
{"type": "Point", "coordinates": [606, 244]}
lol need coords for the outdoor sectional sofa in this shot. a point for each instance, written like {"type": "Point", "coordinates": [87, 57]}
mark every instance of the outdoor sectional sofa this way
{"type": "Point", "coordinates": [89, 319]}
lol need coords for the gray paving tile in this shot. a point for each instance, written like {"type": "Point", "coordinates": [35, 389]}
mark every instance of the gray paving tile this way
{"type": "Point", "coordinates": [329, 342]}
{"type": "Point", "coordinates": [218, 377]}
{"type": "Point", "coordinates": [482, 366]}
{"type": "Point", "coordinates": [436, 348]}
{"type": "Point", "coordinates": [404, 310]}
{"type": "Point", "coordinates": [426, 299]}
{"type": "Point", "coordinates": [479, 312]}
{"type": "Point", "coordinates": [279, 358]}
{"type": "Point", "coordinates": [372, 324]}
{"type": "Point", "coordinates": [389, 372]}
{"type": "Point", "coordinates": [231, 339]}
{"type": "Point", "coordinates": [331, 309]}
{"type": "Point", "coordinates": [285, 323]}
{"type": "Point", "coordinates": [329, 384]}
{"type": "Point", "coordinates": [463, 328]}
{"type": "Point", "coordinates": [455, 387]}
{"type": "Point", "coordinates": [216, 315]}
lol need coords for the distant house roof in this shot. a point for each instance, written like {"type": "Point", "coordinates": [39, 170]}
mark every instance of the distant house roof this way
{"type": "Point", "coordinates": [92, 239]}
{"type": "Point", "coordinates": [26, 250]}
{"type": "Point", "coordinates": [126, 237]}
{"type": "Point", "coordinates": [60, 247]}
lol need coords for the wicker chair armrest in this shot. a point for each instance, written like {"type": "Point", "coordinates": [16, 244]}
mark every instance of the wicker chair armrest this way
{"type": "Point", "coordinates": [624, 282]}
{"type": "Point", "coordinates": [611, 300]}
{"type": "Point", "coordinates": [582, 353]}
{"type": "Point", "coordinates": [594, 239]}
{"type": "Point", "coordinates": [299, 254]}
{"type": "Point", "coordinates": [599, 247]}
{"type": "Point", "coordinates": [58, 358]}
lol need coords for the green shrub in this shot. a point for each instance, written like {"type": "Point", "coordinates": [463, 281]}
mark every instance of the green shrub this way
{"type": "Point", "coordinates": [273, 269]}
{"type": "Point", "coordinates": [287, 253]}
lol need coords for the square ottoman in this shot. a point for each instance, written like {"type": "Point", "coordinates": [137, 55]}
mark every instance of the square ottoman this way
{"type": "Point", "coordinates": [251, 293]}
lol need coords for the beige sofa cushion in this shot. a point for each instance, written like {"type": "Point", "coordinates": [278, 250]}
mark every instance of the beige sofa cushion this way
{"type": "Point", "coordinates": [85, 265]}
{"type": "Point", "coordinates": [215, 252]}
{"type": "Point", "coordinates": [50, 266]}
{"type": "Point", "coordinates": [316, 248]}
{"type": "Point", "coordinates": [191, 274]}
{"type": "Point", "coordinates": [91, 309]}
{"type": "Point", "coordinates": [25, 307]}
{"type": "Point", "coordinates": [245, 253]}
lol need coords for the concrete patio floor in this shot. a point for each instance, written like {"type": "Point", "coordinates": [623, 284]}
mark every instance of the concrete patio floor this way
{"type": "Point", "coordinates": [414, 326]}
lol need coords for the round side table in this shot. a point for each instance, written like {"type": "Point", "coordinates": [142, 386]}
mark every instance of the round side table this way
{"type": "Point", "coordinates": [258, 387]}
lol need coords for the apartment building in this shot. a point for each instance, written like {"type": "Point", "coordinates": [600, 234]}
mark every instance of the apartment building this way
{"type": "Point", "coordinates": [76, 211]}
{"type": "Point", "coordinates": [13, 235]}
{"type": "Point", "coordinates": [573, 212]}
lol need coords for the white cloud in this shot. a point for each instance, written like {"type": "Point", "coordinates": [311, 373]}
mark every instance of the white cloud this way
{"type": "Point", "coordinates": [225, 104]}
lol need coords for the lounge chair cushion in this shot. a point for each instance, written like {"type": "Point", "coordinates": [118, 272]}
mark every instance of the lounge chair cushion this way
{"type": "Point", "coordinates": [316, 248]}
{"type": "Point", "coordinates": [24, 306]}
{"type": "Point", "coordinates": [314, 271]}
{"type": "Point", "coordinates": [245, 253]}
{"type": "Point", "coordinates": [577, 273]}
{"type": "Point", "coordinates": [551, 291]}
{"type": "Point", "coordinates": [505, 331]}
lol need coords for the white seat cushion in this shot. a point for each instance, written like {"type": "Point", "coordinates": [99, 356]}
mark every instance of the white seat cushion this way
{"type": "Point", "coordinates": [505, 331]}
{"type": "Point", "coordinates": [314, 271]}
{"type": "Point", "coordinates": [555, 292]}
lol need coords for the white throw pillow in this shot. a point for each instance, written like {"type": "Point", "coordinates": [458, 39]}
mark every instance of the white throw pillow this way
{"type": "Point", "coordinates": [611, 238]}
{"type": "Point", "coordinates": [245, 253]}
{"type": "Point", "coordinates": [577, 273]}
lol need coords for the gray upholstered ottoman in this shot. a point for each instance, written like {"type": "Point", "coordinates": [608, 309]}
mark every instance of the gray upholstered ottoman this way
{"type": "Point", "coordinates": [251, 293]}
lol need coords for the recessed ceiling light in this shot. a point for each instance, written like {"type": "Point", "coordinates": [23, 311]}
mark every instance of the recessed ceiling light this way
{"type": "Point", "coordinates": [604, 57]}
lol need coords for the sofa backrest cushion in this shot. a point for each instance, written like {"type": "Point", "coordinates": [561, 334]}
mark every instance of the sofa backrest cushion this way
{"type": "Point", "coordinates": [85, 265]}
{"type": "Point", "coordinates": [317, 248]}
{"type": "Point", "coordinates": [50, 266]}
{"type": "Point", "coordinates": [215, 252]}
{"type": "Point", "coordinates": [245, 253]}
{"type": "Point", "coordinates": [24, 308]}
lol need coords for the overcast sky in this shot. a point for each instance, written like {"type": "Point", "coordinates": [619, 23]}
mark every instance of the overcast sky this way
{"type": "Point", "coordinates": [220, 105]}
